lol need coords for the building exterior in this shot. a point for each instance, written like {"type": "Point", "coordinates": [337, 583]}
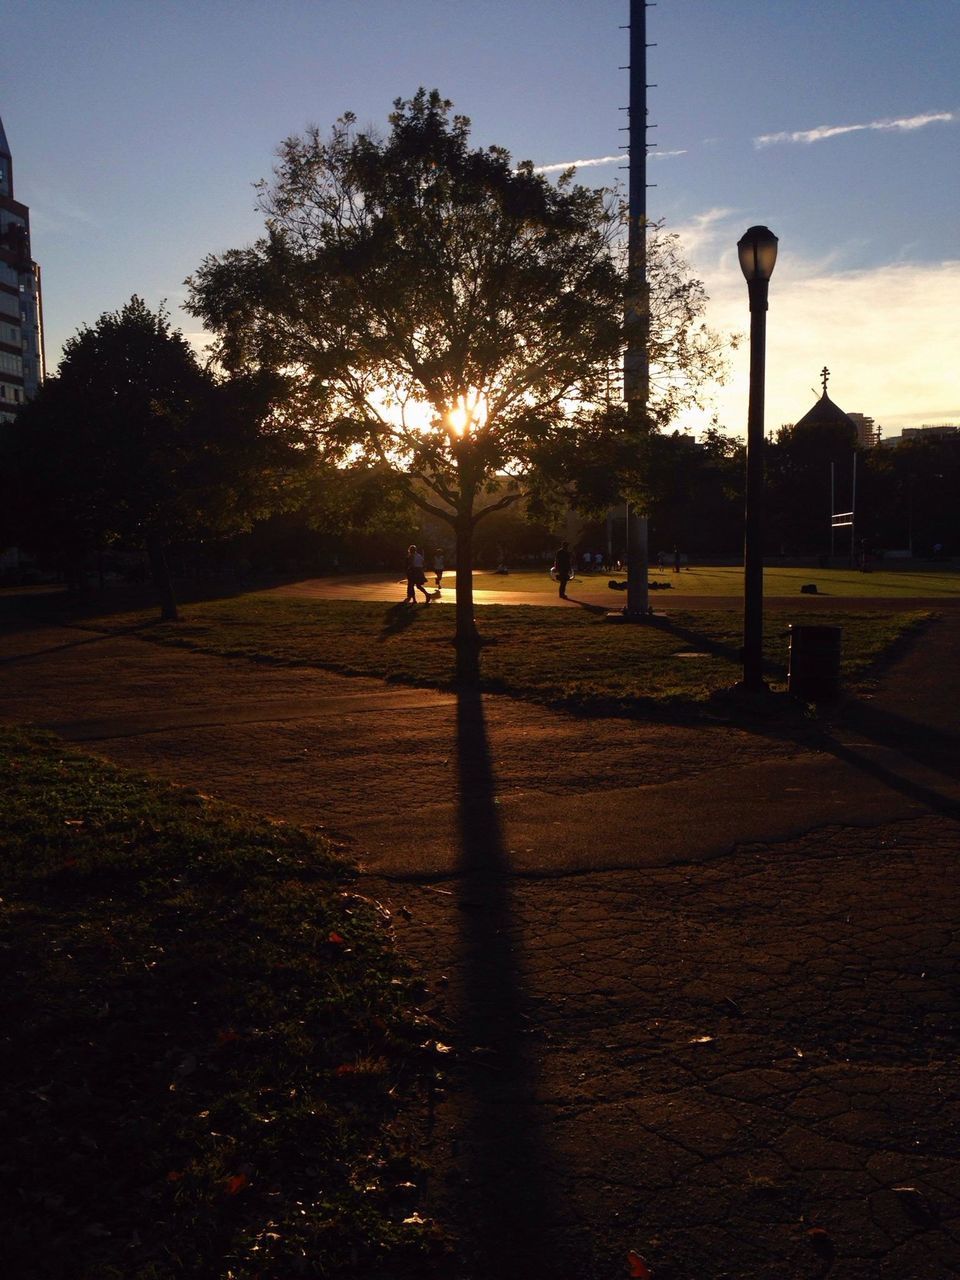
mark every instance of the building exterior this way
{"type": "Point", "coordinates": [930, 431]}
{"type": "Point", "coordinates": [868, 433]}
{"type": "Point", "coordinates": [927, 432]}
{"type": "Point", "coordinates": [22, 366]}
{"type": "Point", "coordinates": [827, 414]}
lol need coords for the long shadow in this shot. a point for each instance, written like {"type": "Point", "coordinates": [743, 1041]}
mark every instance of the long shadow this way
{"type": "Point", "coordinates": [932, 747]}
{"type": "Point", "coordinates": [933, 799]}
{"type": "Point", "coordinates": [598, 609]}
{"type": "Point", "coordinates": [398, 618]}
{"type": "Point", "coordinates": [24, 608]}
{"type": "Point", "coordinates": [510, 1198]}
{"type": "Point", "coordinates": [76, 644]}
{"type": "Point", "coordinates": [697, 638]}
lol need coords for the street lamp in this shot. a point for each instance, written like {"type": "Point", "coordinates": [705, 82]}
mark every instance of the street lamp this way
{"type": "Point", "coordinates": [757, 250]}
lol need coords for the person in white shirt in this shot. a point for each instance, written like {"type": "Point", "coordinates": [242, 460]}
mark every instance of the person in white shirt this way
{"type": "Point", "coordinates": [416, 578]}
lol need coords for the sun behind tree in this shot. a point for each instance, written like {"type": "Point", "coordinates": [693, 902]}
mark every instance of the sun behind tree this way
{"type": "Point", "coordinates": [413, 270]}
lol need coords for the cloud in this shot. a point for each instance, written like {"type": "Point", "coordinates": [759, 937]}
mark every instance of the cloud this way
{"type": "Point", "coordinates": [906, 124]}
{"type": "Point", "coordinates": [887, 332]}
{"type": "Point", "coordinates": [601, 160]}
{"type": "Point", "coordinates": [200, 341]}
{"type": "Point", "coordinates": [704, 233]}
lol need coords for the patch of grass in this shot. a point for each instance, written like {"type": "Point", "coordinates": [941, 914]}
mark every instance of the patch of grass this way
{"type": "Point", "coordinates": [727, 580]}
{"type": "Point", "coordinates": [207, 1039]}
{"type": "Point", "coordinates": [571, 657]}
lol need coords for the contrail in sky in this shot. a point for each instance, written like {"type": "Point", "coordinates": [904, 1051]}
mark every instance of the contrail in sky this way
{"type": "Point", "coordinates": [823, 131]}
{"type": "Point", "coordinates": [598, 160]}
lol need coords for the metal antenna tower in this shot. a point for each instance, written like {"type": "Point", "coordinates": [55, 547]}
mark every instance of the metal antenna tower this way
{"type": "Point", "coordinates": [636, 365]}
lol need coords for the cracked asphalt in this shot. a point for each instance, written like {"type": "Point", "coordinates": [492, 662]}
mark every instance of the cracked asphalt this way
{"type": "Point", "coordinates": [698, 983]}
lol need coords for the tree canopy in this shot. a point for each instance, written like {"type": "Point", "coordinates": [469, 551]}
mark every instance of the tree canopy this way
{"type": "Point", "coordinates": [435, 307]}
{"type": "Point", "coordinates": [135, 442]}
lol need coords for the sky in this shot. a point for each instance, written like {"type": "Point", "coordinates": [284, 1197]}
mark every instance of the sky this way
{"type": "Point", "coordinates": [138, 128]}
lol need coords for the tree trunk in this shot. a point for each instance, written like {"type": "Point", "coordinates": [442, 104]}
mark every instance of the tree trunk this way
{"type": "Point", "coordinates": [156, 553]}
{"type": "Point", "coordinates": [466, 633]}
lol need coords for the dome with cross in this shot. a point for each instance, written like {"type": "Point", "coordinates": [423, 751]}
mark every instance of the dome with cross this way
{"type": "Point", "coordinates": [825, 412]}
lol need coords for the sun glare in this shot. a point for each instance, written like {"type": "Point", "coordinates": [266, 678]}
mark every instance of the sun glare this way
{"type": "Point", "coordinates": [468, 413]}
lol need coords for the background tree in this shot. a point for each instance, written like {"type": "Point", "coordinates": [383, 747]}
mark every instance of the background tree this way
{"type": "Point", "coordinates": [135, 442]}
{"type": "Point", "coordinates": [435, 308]}
{"type": "Point", "coordinates": [614, 457]}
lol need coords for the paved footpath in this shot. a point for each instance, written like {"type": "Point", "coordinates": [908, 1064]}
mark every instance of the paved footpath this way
{"type": "Point", "coordinates": [699, 981]}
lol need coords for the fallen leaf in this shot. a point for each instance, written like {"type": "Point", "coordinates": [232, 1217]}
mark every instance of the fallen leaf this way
{"type": "Point", "coordinates": [337, 939]}
{"type": "Point", "coordinates": [236, 1183]}
{"type": "Point", "coordinates": [638, 1267]}
{"type": "Point", "coordinates": [174, 1175]}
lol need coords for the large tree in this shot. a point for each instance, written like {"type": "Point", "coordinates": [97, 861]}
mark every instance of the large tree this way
{"type": "Point", "coordinates": [436, 307]}
{"type": "Point", "coordinates": [134, 442]}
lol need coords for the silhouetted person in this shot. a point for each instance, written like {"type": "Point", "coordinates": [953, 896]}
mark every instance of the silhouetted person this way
{"type": "Point", "coordinates": [676, 559]}
{"type": "Point", "coordinates": [562, 564]}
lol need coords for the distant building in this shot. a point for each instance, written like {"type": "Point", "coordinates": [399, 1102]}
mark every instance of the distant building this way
{"type": "Point", "coordinates": [868, 433]}
{"type": "Point", "coordinates": [22, 365]}
{"type": "Point", "coordinates": [927, 432]}
{"type": "Point", "coordinates": [941, 429]}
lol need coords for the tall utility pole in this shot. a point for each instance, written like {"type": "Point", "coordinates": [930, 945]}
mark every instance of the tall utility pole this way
{"type": "Point", "coordinates": [636, 366]}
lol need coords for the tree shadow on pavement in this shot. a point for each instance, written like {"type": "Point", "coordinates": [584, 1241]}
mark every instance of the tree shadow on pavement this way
{"type": "Point", "coordinates": [509, 1199]}
{"type": "Point", "coordinates": [917, 726]}
{"type": "Point", "coordinates": [901, 740]}
{"type": "Point", "coordinates": [932, 747]}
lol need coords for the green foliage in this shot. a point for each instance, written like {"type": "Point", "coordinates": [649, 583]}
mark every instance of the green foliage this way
{"type": "Point", "coordinates": [405, 278]}
{"type": "Point", "coordinates": [413, 270]}
{"type": "Point", "coordinates": [206, 1036]}
{"type": "Point", "coordinates": [134, 441]}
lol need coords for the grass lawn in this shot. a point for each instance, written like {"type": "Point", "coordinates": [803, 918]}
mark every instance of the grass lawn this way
{"type": "Point", "coordinates": [727, 580]}
{"type": "Point", "coordinates": [571, 657]}
{"type": "Point", "coordinates": [207, 1040]}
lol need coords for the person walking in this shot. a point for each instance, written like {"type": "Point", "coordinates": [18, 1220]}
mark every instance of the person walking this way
{"type": "Point", "coordinates": [562, 563]}
{"type": "Point", "coordinates": [438, 563]}
{"type": "Point", "coordinates": [416, 578]}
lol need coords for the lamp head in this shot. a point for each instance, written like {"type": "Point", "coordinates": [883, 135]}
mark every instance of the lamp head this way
{"type": "Point", "coordinates": [757, 249]}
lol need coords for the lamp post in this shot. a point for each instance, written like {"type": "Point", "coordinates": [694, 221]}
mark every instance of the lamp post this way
{"type": "Point", "coordinates": [758, 253]}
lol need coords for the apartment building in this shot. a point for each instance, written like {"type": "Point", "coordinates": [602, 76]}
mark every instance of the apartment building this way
{"type": "Point", "coordinates": [22, 365]}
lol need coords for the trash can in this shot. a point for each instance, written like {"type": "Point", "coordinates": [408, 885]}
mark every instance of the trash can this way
{"type": "Point", "coordinates": [814, 666]}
